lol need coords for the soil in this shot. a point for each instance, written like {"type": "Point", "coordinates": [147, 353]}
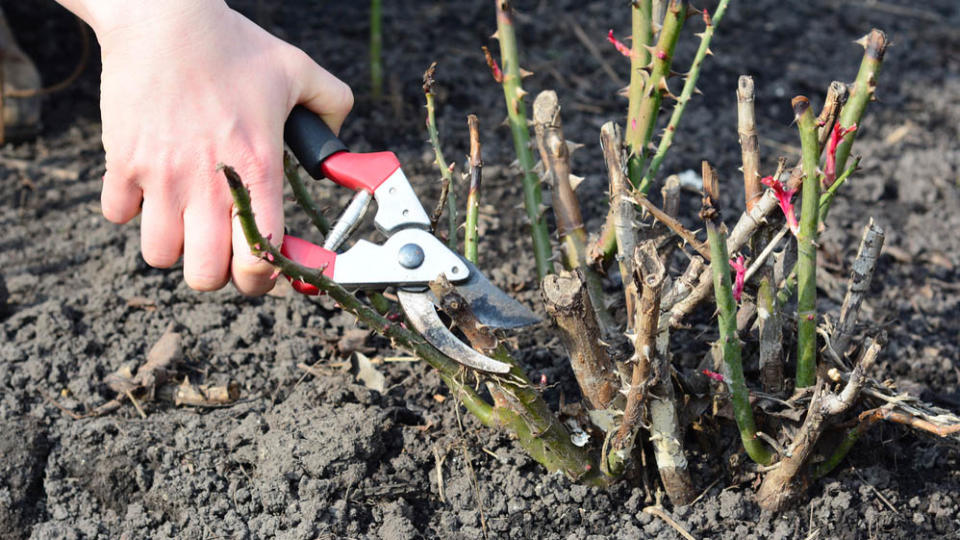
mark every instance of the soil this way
{"type": "Point", "coordinates": [301, 456]}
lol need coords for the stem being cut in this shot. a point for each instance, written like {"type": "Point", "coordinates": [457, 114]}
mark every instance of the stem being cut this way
{"type": "Point", "coordinates": [524, 413]}
{"type": "Point", "coordinates": [513, 94]}
{"type": "Point", "coordinates": [302, 196]}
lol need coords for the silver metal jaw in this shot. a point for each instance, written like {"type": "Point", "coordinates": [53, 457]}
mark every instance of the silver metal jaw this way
{"type": "Point", "coordinates": [375, 266]}
{"type": "Point", "coordinates": [398, 205]}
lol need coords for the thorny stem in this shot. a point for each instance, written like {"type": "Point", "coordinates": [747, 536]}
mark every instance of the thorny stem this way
{"type": "Point", "coordinates": [727, 323]}
{"type": "Point", "coordinates": [517, 118]}
{"type": "Point", "coordinates": [622, 211]}
{"type": "Point", "coordinates": [528, 417]}
{"type": "Point", "coordinates": [640, 127]}
{"type": "Point", "coordinates": [689, 87]}
{"type": "Point", "coordinates": [555, 155]}
{"type": "Point", "coordinates": [651, 273]}
{"type": "Point", "coordinates": [806, 247]}
{"type": "Point", "coordinates": [518, 406]}
{"type": "Point", "coordinates": [376, 48]}
{"type": "Point", "coordinates": [473, 195]}
{"type": "Point", "coordinates": [826, 198]}
{"type": "Point", "coordinates": [302, 196]}
{"type": "Point", "coordinates": [875, 45]}
{"type": "Point", "coordinates": [446, 171]}
{"type": "Point", "coordinates": [642, 28]}
{"type": "Point", "coordinates": [605, 247]}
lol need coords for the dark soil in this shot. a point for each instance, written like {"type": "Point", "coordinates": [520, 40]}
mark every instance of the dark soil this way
{"type": "Point", "coordinates": [304, 457]}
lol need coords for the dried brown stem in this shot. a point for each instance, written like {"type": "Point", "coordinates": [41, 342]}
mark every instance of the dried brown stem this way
{"type": "Point", "coordinates": [555, 154]}
{"type": "Point", "coordinates": [860, 275]}
{"type": "Point", "coordinates": [623, 214]}
{"type": "Point", "coordinates": [568, 303]}
{"type": "Point", "coordinates": [779, 487]}
{"type": "Point", "coordinates": [673, 225]}
{"type": "Point", "coordinates": [650, 272]}
{"type": "Point", "coordinates": [837, 95]}
{"type": "Point", "coordinates": [749, 145]}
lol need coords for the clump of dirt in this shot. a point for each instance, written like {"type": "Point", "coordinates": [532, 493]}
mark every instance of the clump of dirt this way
{"type": "Point", "coordinates": [307, 456]}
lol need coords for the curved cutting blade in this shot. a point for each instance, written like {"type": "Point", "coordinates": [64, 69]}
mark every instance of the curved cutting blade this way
{"type": "Point", "coordinates": [490, 305]}
{"type": "Point", "coordinates": [423, 316]}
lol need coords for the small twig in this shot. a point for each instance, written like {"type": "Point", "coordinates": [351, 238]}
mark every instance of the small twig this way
{"type": "Point", "coordinates": [673, 225]}
{"type": "Point", "coordinates": [448, 192]}
{"type": "Point", "coordinates": [583, 38]}
{"type": "Point", "coordinates": [837, 94]}
{"type": "Point", "coordinates": [659, 512]}
{"type": "Point", "coordinates": [63, 409]}
{"type": "Point", "coordinates": [513, 93]}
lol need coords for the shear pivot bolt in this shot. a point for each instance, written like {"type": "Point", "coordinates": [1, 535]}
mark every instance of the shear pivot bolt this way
{"type": "Point", "coordinates": [410, 256]}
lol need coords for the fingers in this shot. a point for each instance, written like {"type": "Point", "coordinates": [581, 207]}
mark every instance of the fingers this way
{"type": "Point", "coordinates": [320, 91]}
{"type": "Point", "coordinates": [206, 246]}
{"type": "Point", "coordinates": [119, 198]}
{"type": "Point", "coordinates": [161, 232]}
{"type": "Point", "coordinates": [251, 275]}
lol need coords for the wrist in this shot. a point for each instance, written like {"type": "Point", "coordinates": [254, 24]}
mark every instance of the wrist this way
{"type": "Point", "coordinates": [113, 20]}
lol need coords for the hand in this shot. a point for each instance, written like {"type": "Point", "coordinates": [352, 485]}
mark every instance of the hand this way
{"type": "Point", "coordinates": [187, 84]}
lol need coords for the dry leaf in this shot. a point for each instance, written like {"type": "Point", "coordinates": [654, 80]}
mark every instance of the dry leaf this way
{"type": "Point", "coordinates": [367, 373]}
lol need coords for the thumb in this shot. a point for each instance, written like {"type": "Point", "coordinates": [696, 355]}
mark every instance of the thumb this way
{"type": "Point", "coordinates": [316, 89]}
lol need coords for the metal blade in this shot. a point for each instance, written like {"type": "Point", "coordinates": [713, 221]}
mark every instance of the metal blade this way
{"type": "Point", "coordinates": [423, 316]}
{"type": "Point", "coordinates": [492, 307]}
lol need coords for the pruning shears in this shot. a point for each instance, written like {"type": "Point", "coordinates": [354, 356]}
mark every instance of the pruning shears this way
{"type": "Point", "coordinates": [409, 259]}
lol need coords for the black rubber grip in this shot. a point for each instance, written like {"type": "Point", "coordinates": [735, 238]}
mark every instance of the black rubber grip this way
{"type": "Point", "coordinates": [310, 140]}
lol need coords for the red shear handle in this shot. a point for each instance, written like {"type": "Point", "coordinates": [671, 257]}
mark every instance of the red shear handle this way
{"type": "Point", "coordinates": [322, 154]}
{"type": "Point", "coordinates": [360, 171]}
{"type": "Point", "coordinates": [310, 255]}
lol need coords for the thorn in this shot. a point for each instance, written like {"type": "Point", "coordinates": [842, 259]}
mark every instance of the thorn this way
{"type": "Point", "coordinates": [573, 146]}
{"type": "Point", "coordinates": [624, 92]}
{"type": "Point", "coordinates": [575, 181]}
{"type": "Point", "coordinates": [521, 93]}
{"type": "Point", "coordinates": [691, 11]}
{"type": "Point", "coordinates": [495, 35]}
{"type": "Point", "coordinates": [524, 73]}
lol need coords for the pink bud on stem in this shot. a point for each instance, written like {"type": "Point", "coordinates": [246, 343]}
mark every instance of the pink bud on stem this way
{"type": "Point", "coordinates": [619, 45]}
{"type": "Point", "coordinates": [784, 196]}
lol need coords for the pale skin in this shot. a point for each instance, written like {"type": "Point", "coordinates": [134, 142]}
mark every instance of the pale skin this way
{"type": "Point", "coordinates": [188, 84]}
